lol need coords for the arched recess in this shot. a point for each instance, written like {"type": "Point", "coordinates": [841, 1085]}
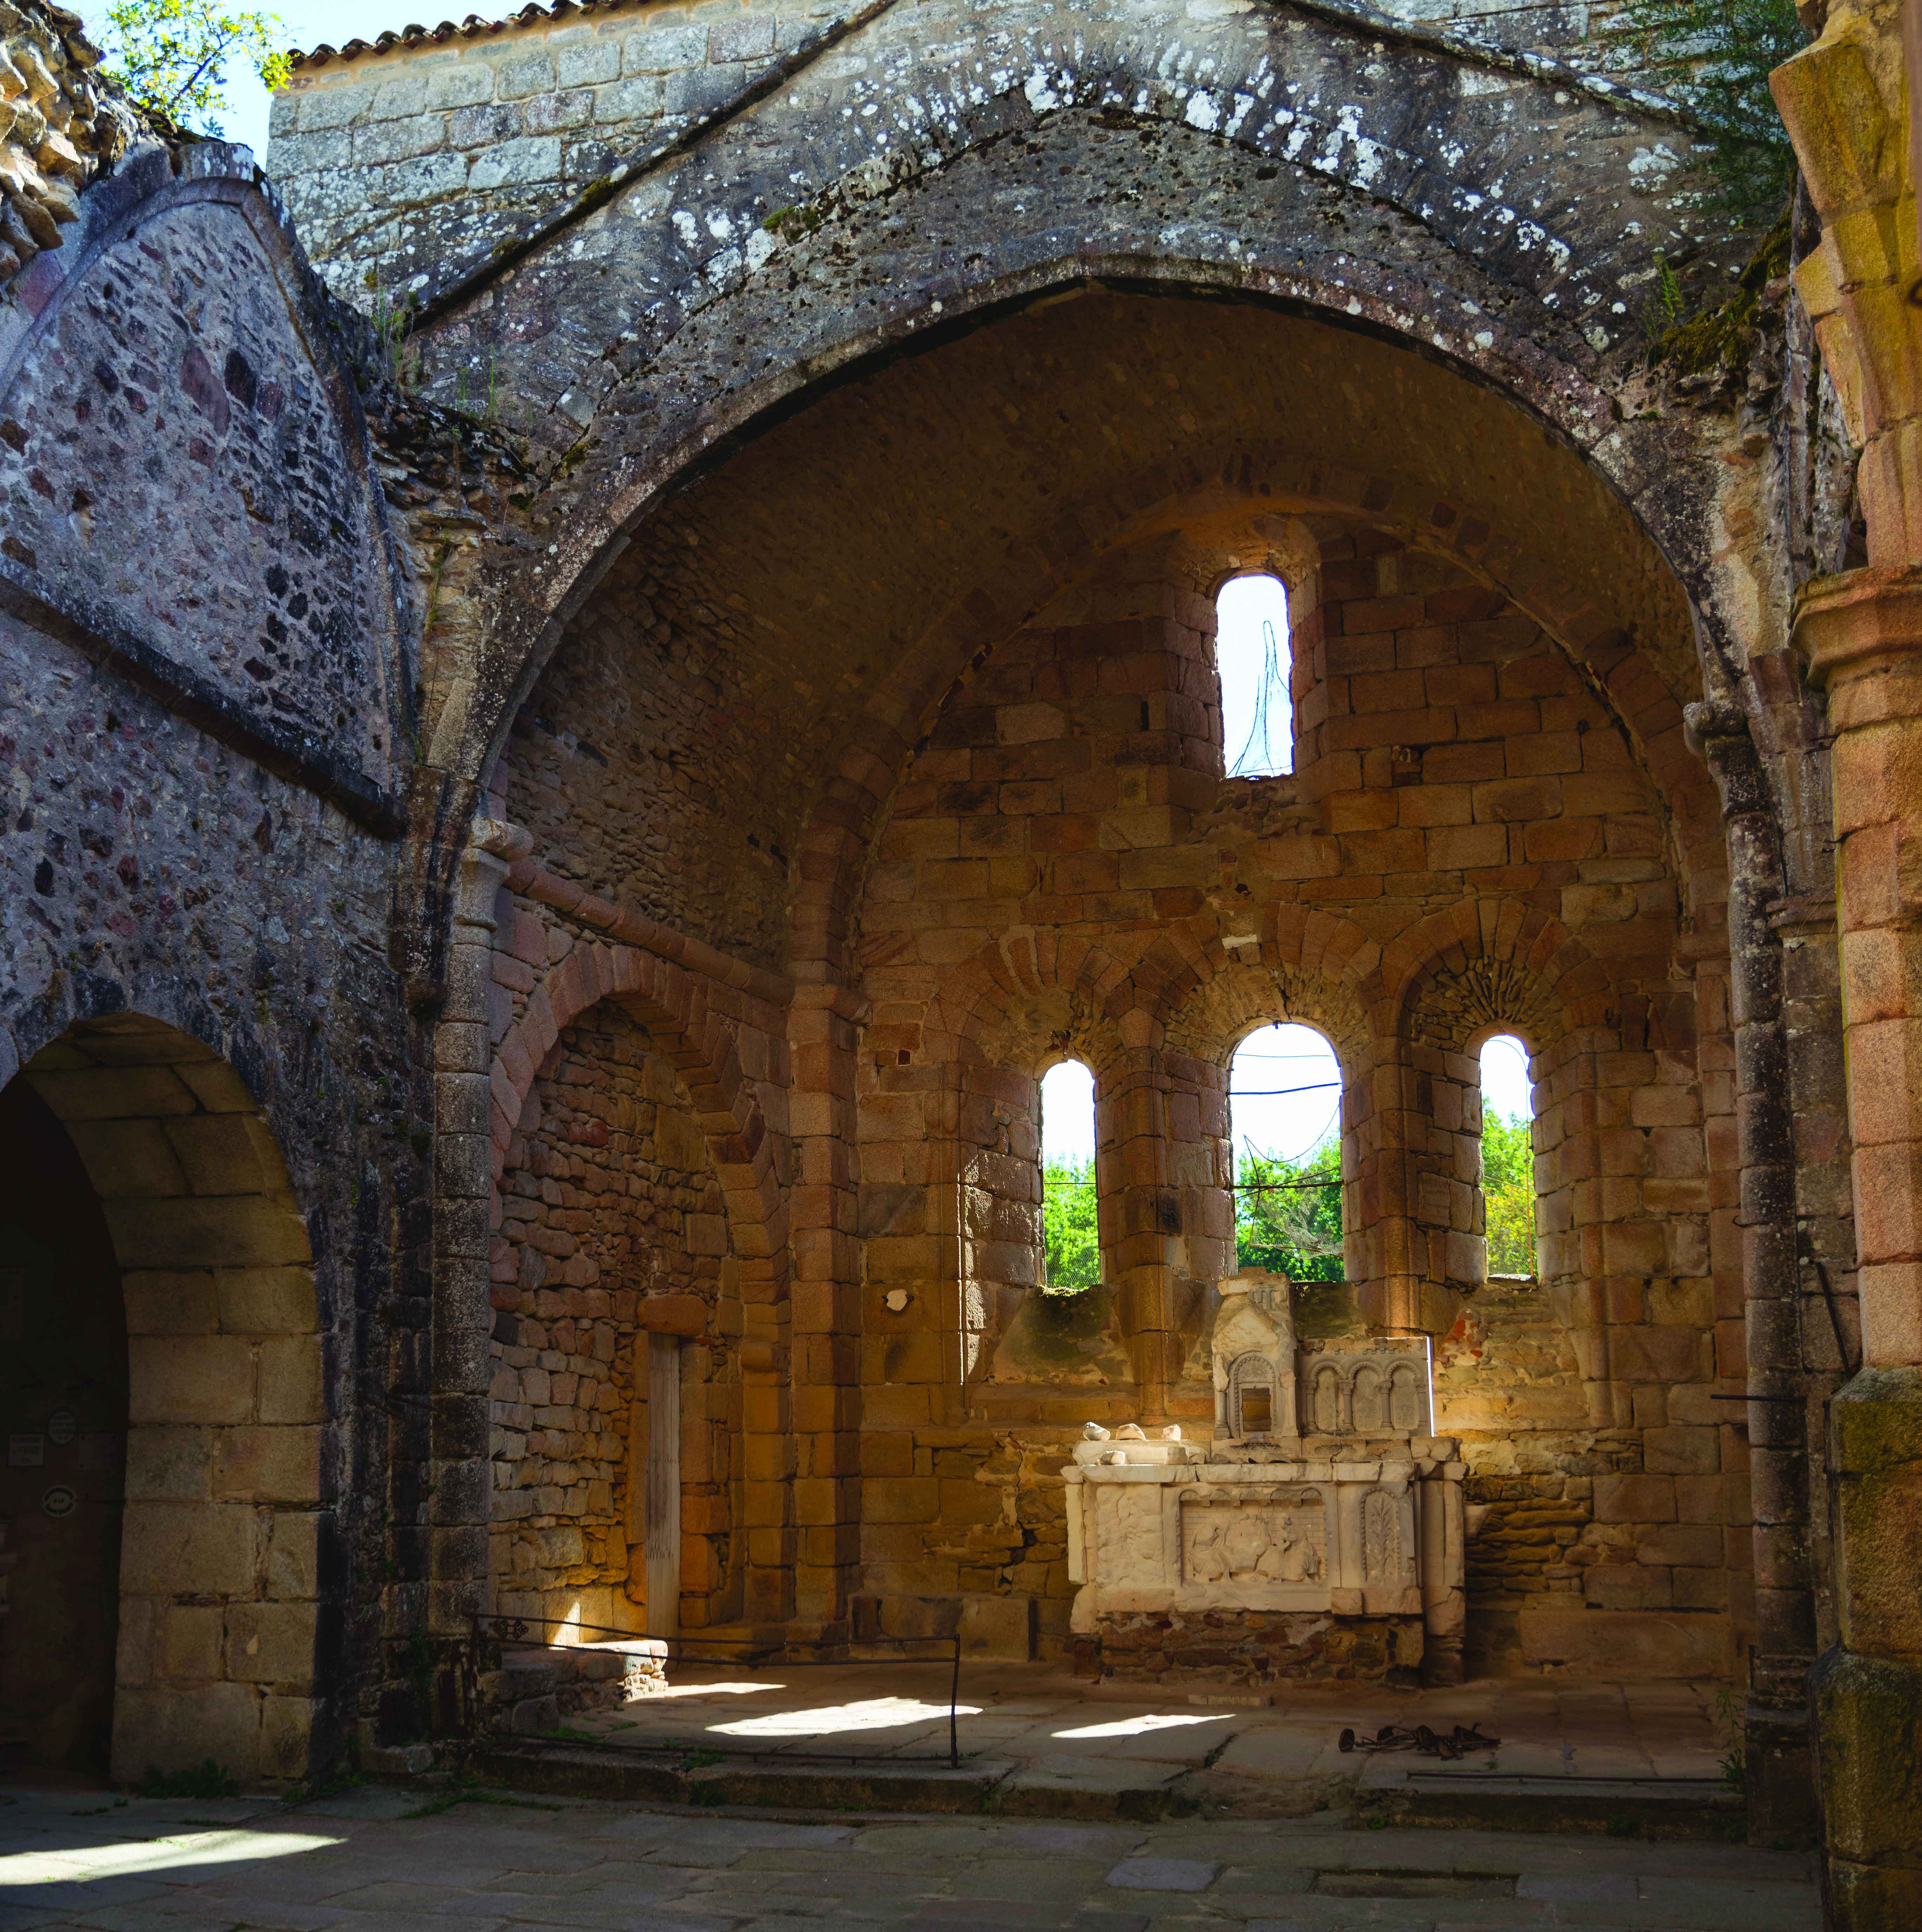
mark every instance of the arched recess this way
{"type": "Point", "coordinates": [1623, 1149]}
{"type": "Point", "coordinates": [223, 1648]}
{"type": "Point", "coordinates": [949, 1198]}
{"type": "Point", "coordinates": [659, 1083]}
{"type": "Point", "coordinates": [1640, 668]}
{"type": "Point", "coordinates": [1496, 967]}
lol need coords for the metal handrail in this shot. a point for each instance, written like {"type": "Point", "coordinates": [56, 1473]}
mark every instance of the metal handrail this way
{"type": "Point", "coordinates": [513, 1633]}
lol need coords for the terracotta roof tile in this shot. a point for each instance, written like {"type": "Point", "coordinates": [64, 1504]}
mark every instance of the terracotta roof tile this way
{"type": "Point", "coordinates": [473, 28]}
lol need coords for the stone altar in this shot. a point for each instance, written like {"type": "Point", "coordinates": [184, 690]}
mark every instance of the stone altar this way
{"type": "Point", "coordinates": [1319, 1533]}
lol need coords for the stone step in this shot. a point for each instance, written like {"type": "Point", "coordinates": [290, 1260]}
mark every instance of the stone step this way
{"type": "Point", "coordinates": [1460, 1797]}
{"type": "Point", "coordinates": [1087, 1789]}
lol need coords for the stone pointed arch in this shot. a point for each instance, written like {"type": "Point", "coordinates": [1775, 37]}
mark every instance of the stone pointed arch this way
{"type": "Point", "coordinates": [679, 1009]}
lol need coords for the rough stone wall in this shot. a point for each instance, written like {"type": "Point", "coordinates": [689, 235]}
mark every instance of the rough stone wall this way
{"type": "Point", "coordinates": [608, 1195]}
{"type": "Point", "coordinates": [667, 749]}
{"type": "Point", "coordinates": [57, 124]}
{"type": "Point", "coordinates": [191, 844]}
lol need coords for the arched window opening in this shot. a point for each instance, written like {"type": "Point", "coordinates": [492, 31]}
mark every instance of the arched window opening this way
{"type": "Point", "coordinates": [1071, 1237]}
{"type": "Point", "coordinates": [1284, 1111]}
{"type": "Point", "coordinates": [1252, 658]}
{"type": "Point", "coordinates": [1508, 1158]}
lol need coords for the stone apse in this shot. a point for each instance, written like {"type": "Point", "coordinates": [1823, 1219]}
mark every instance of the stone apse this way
{"type": "Point", "coordinates": [689, 656]}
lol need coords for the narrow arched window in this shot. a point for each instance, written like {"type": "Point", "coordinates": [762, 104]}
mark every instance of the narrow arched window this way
{"type": "Point", "coordinates": [1071, 1237]}
{"type": "Point", "coordinates": [1252, 658]}
{"type": "Point", "coordinates": [1284, 1111]}
{"type": "Point", "coordinates": [1508, 1157]}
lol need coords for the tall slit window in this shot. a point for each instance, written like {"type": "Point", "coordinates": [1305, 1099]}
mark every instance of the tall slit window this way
{"type": "Point", "coordinates": [1508, 1157]}
{"type": "Point", "coordinates": [1071, 1240]}
{"type": "Point", "coordinates": [1252, 657]}
{"type": "Point", "coordinates": [1284, 1111]}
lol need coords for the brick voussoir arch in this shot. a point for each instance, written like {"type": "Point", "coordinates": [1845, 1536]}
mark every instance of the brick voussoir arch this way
{"type": "Point", "coordinates": [675, 1006]}
{"type": "Point", "coordinates": [939, 666]}
{"type": "Point", "coordinates": [983, 996]}
{"type": "Point", "coordinates": [1561, 986]}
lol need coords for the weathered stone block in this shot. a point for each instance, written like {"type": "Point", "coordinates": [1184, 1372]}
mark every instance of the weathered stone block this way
{"type": "Point", "coordinates": [1634, 1499]}
{"type": "Point", "coordinates": [177, 1727]}
{"type": "Point", "coordinates": [1625, 1643]}
{"type": "Point", "coordinates": [198, 1379]}
{"type": "Point", "coordinates": [1001, 1628]}
{"type": "Point", "coordinates": [169, 1465]}
{"type": "Point", "coordinates": [1679, 1450]}
{"type": "Point", "coordinates": [271, 1643]}
{"type": "Point", "coordinates": [172, 1549]}
{"type": "Point", "coordinates": [166, 1303]}
{"type": "Point", "coordinates": [290, 1380]}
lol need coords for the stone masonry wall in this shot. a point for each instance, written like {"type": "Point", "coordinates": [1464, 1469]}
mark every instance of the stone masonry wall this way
{"type": "Point", "coordinates": [432, 144]}
{"type": "Point", "coordinates": [440, 148]}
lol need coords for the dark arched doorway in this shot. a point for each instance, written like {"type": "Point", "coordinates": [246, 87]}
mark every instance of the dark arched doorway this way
{"type": "Point", "coordinates": [63, 1389]}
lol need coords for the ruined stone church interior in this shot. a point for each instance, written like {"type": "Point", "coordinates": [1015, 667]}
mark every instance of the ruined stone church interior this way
{"type": "Point", "coordinates": [615, 653]}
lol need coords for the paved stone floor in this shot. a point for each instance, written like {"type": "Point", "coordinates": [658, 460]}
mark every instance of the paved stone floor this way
{"type": "Point", "coordinates": [1037, 1719]}
{"type": "Point", "coordinates": [380, 1858]}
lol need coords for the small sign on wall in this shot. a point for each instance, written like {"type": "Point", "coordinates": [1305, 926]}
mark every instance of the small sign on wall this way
{"type": "Point", "coordinates": [100, 1451]}
{"type": "Point", "coordinates": [26, 1452]}
{"type": "Point", "coordinates": [62, 1426]}
{"type": "Point", "coordinates": [59, 1501]}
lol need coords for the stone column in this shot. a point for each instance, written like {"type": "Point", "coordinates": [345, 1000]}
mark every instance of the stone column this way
{"type": "Point", "coordinates": [1781, 1790]}
{"type": "Point", "coordinates": [1862, 632]}
{"type": "Point", "coordinates": [824, 1025]}
{"type": "Point", "coordinates": [463, 1198]}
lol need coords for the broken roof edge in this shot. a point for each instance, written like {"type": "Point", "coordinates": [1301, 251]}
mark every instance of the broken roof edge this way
{"type": "Point", "coordinates": [411, 38]}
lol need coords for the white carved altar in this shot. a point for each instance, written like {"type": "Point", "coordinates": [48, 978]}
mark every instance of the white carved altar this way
{"type": "Point", "coordinates": [1322, 1491]}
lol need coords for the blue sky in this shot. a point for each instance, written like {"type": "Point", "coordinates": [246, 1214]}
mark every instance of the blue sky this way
{"type": "Point", "coordinates": [308, 23]}
{"type": "Point", "coordinates": [1285, 1094]}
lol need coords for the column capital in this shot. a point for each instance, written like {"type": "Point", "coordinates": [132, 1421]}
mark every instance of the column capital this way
{"type": "Point", "coordinates": [1860, 622]}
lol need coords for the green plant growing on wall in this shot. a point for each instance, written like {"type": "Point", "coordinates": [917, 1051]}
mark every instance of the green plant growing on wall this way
{"type": "Point", "coordinates": [1714, 57]}
{"type": "Point", "coordinates": [1508, 1192]}
{"type": "Point", "coordinates": [1071, 1243]}
{"type": "Point", "coordinates": [171, 56]}
{"type": "Point", "coordinates": [1288, 1214]}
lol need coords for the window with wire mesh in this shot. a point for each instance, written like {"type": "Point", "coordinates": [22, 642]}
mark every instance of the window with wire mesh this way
{"type": "Point", "coordinates": [1252, 658]}
{"type": "Point", "coordinates": [1070, 1199]}
{"type": "Point", "coordinates": [1285, 1100]}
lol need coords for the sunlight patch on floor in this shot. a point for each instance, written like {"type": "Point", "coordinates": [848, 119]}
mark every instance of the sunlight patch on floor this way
{"type": "Point", "coordinates": [1136, 1727]}
{"type": "Point", "coordinates": [196, 1850]}
{"type": "Point", "coordinates": [875, 1713]}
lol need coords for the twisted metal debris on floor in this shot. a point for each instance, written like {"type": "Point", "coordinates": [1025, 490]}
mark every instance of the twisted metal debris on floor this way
{"type": "Point", "coordinates": [1457, 1743]}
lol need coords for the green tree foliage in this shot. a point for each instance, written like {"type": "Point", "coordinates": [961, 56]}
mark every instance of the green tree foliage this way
{"type": "Point", "coordinates": [1067, 1202]}
{"type": "Point", "coordinates": [1286, 1226]}
{"type": "Point", "coordinates": [1508, 1192]}
{"type": "Point", "coordinates": [171, 55]}
{"type": "Point", "coordinates": [1714, 57]}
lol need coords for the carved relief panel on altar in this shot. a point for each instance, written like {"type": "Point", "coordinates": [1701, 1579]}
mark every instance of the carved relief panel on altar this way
{"type": "Point", "coordinates": [1260, 1544]}
{"type": "Point", "coordinates": [1382, 1392]}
